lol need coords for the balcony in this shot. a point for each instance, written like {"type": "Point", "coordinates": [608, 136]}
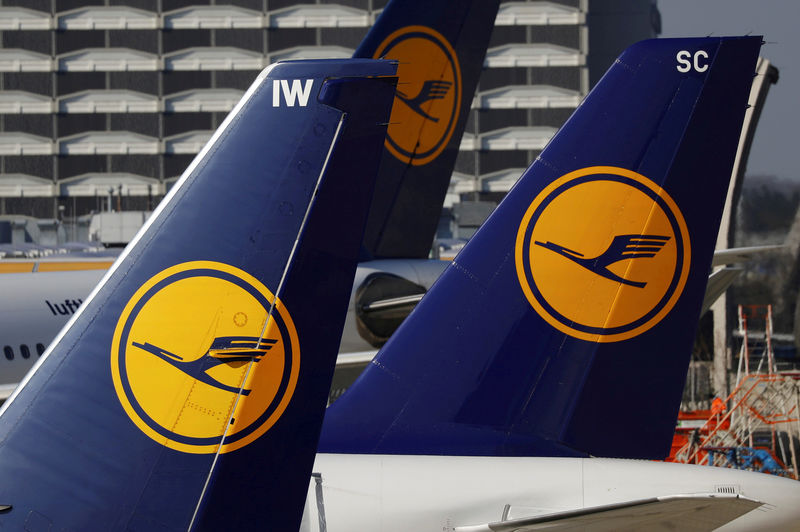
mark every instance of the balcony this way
{"type": "Point", "coordinates": [202, 100]}
{"type": "Point", "coordinates": [21, 18]}
{"type": "Point", "coordinates": [459, 184]}
{"type": "Point", "coordinates": [17, 143]}
{"type": "Point", "coordinates": [25, 186]}
{"type": "Point", "coordinates": [107, 18]}
{"type": "Point", "coordinates": [528, 97]}
{"type": "Point", "coordinates": [468, 142]}
{"type": "Point", "coordinates": [190, 142]}
{"type": "Point", "coordinates": [500, 181]}
{"type": "Point", "coordinates": [108, 143]}
{"type": "Point", "coordinates": [538, 14]}
{"type": "Point", "coordinates": [103, 184]}
{"type": "Point", "coordinates": [18, 60]}
{"type": "Point", "coordinates": [516, 138]}
{"type": "Point", "coordinates": [533, 55]}
{"type": "Point", "coordinates": [21, 102]}
{"type": "Point", "coordinates": [318, 16]}
{"type": "Point", "coordinates": [311, 52]}
{"type": "Point", "coordinates": [213, 58]}
{"type": "Point", "coordinates": [212, 17]}
{"type": "Point", "coordinates": [108, 101]}
{"type": "Point", "coordinates": [107, 60]}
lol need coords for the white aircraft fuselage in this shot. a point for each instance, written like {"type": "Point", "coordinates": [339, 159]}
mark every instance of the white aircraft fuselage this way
{"type": "Point", "coordinates": [36, 306]}
{"type": "Point", "coordinates": [445, 493]}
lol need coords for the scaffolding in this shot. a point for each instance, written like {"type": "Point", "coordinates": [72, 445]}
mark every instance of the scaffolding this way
{"type": "Point", "coordinates": [757, 427]}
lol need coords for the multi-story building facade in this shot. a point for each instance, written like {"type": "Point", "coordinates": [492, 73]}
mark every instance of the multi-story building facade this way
{"type": "Point", "coordinates": [103, 106]}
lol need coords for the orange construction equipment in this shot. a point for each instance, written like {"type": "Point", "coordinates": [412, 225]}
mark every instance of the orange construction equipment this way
{"type": "Point", "coordinates": [757, 427]}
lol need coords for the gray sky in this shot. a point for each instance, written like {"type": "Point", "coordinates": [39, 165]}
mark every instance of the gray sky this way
{"type": "Point", "coordinates": [776, 150]}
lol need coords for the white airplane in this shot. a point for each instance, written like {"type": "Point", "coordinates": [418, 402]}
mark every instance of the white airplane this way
{"type": "Point", "coordinates": [558, 340]}
{"type": "Point", "coordinates": [520, 494]}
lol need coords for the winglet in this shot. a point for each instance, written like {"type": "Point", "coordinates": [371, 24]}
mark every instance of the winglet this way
{"type": "Point", "coordinates": [519, 350]}
{"type": "Point", "coordinates": [107, 436]}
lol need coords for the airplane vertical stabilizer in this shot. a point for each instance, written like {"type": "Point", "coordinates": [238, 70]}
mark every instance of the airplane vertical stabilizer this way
{"type": "Point", "coordinates": [188, 392]}
{"type": "Point", "coordinates": [440, 47]}
{"type": "Point", "coordinates": [564, 327]}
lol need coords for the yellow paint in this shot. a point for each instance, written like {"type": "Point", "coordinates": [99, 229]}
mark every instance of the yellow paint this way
{"type": "Point", "coordinates": [16, 267]}
{"type": "Point", "coordinates": [586, 218]}
{"type": "Point", "coordinates": [184, 317]}
{"type": "Point", "coordinates": [11, 266]}
{"type": "Point", "coordinates": [421, 58]}
{"type": "Point", "coordinates": [68, 266]}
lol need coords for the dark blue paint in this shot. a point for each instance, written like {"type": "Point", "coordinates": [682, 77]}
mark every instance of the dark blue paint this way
{"type": "Point", "coordinates": [408, 199]}
{"type": "Point", "coordinates": [475, 371]}
{"type": "Point", "coordinates": [68, 450]}
{"type": "Point", "coordinates": [678, 245]}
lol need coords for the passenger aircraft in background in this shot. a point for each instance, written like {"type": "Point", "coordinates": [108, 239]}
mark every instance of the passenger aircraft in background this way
{"type": "Point", "coordinates": [559, 338]}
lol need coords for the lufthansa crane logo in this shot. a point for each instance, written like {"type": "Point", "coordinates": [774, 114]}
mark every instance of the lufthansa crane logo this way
{"type": "Point", "coordinates": [198, 362]}
{"type": "Point", "coordinates": [603, 254]}
{"type": "Point", "coordinates": [428, 99]}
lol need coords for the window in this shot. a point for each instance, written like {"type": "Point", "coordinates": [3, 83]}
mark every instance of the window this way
{"type": "Point", "coordinates": [26, 353]}
{"type": "Point", "coordinates": [9, 352]}
{"type": "Point", "coordinates": [39, 349]}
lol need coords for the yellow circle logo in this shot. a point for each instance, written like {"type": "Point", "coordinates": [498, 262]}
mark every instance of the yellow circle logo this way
{"type": "Point", "coordinates": [603, 254]}
{"type": "Point", "coordinates": [428, 97]}
{"type": "Point", "coordinates": [196, 359]}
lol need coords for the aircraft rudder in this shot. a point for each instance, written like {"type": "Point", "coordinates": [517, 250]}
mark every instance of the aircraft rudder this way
{"type": "Point", "coordinates": [578, 297]}
{"type": "Point", "coordinates": [316, 289]}
{"type": "Point", "coordinates": [193, 347]}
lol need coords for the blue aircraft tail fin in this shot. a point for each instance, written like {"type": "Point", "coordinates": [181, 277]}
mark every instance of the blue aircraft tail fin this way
{"type": "Point", "coordinates": [440, 46]}
{"type": "Point", "coordinates": [565, 325]}
{"type": "Point", "coordinates": [188, 392]}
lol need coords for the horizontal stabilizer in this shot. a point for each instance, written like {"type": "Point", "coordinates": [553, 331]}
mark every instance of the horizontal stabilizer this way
{"type": "Point", "coordinates": [739, 255]}
{"type": "Point", "coordinates": [718, 283]}
{"type": "Point", "coordinates": [361, 359]}
{"type": "Point", "coordinates": [688, 513]}
{"type": "Point", "coordinates": [403, 304]}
